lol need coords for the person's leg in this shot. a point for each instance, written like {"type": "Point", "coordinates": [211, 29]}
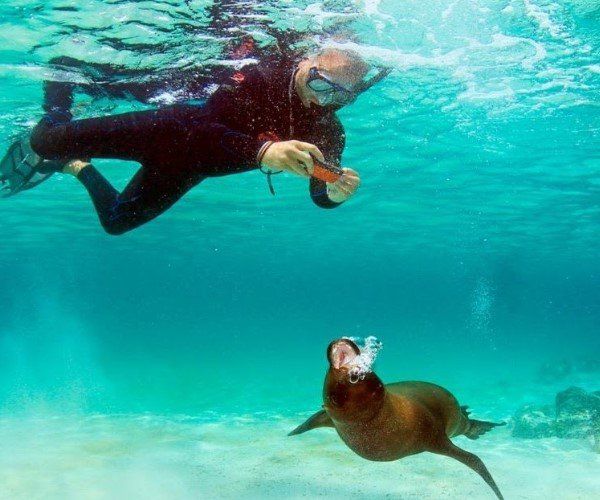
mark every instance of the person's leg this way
{"type": "Point", "coordinates": [148, 194]}
{"type": "Point", "coordinates": [167, 138]}
{"type": "Point", "coordinates": [128, 136]}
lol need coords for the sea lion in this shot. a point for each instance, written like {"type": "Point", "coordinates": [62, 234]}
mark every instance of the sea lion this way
{"type": "Point", "coordinates": [387, 422]}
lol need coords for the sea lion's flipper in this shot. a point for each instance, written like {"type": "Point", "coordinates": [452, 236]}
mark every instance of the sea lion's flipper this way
{"type": "Point", "coordinates": [472, 461]}
{"type": "Point", "coordinates": [319, 419]}
{"type": "Point", "coordinates": [479, 427]}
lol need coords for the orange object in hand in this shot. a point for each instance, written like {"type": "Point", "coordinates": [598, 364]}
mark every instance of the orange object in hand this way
{"type": "Point", "coordinates": [325, 171]}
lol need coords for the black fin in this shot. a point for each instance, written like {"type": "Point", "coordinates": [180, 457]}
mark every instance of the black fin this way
{"type": "Point", "coordinates": [319, 419]}
{"type": "Point", "coordinates": [472, 461]}
{"type": "Point", "coordinates": [479, 427]}
{"type": "Point", "coordinates": [19, 168]}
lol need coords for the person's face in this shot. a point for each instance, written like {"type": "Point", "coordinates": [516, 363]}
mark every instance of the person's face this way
{"type": "Point", "coordinates": [326, 82]}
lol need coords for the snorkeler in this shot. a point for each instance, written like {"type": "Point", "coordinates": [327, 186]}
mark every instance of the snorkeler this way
{"type": "Point", "coordinates": [278, 114]}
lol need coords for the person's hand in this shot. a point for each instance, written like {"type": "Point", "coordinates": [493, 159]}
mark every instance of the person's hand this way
{"type": "Point", "coordinates": [292, 156]}
{"type": "Point", "coordinates": [344, 187]}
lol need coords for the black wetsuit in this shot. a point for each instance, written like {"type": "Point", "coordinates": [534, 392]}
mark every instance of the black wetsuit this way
{"type": "Point", "coordinates": [179, 146]}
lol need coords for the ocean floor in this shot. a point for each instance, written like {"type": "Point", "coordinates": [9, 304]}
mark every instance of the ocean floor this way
{"type": "Point", "coordinates": [146, 456]}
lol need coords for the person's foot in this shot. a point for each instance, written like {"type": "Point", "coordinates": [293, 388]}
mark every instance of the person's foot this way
{"type": "Point", "coordinates": [73, 167]}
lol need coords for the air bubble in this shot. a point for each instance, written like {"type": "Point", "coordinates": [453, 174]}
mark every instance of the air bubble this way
{"type": "Point", "coordinates": [363, 363]}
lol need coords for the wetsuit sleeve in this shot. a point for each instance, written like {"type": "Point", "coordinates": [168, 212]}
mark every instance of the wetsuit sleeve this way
{"type": "Point", "coordinates": [331, 142]}
{"type": "Point", "coordinates": [241, 148]}
{"type": "Point", "coordinates": [232, 104]}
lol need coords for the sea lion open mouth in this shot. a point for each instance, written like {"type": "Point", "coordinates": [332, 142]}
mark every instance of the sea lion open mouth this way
{"type": "Point", "coordinates": [358, 361]}
{"type": "Point", "coordinates": [342, 353]}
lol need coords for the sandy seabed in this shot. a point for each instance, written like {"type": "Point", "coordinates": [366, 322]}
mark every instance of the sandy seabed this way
{"type": "Point", "coordinates": [145, 456]}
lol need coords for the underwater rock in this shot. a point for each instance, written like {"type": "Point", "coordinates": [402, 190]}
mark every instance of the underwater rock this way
{"type": "Point", "coordinates": [534, 422]}
{"type": "Point", "coordinates": [576, 412]}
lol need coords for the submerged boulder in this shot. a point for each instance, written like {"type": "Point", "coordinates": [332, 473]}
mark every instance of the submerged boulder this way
{"type": "Point", "coordinates": [576, 412]}
{"type": "Point", "coordinates": [534, 422]}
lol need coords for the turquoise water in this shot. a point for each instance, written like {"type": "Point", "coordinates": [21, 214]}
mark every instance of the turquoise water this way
{"type": "Point", "coordinates": [170, 362]}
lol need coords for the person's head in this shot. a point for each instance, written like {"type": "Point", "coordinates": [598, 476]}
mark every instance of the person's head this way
{"type": "Point", "coordinates": [333, 77]}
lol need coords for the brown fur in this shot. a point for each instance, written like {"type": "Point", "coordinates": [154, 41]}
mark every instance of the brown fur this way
{"type": "Point", "coordinates": [387, 422]}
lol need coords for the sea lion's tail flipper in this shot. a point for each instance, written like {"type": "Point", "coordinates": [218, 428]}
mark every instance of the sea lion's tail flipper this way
{"type": "Point", "coordinates": [472, 461]}
{"type": "Point", "coordinates": [479, 427]}
{"type": "Point", "coordinates": [319, 419]}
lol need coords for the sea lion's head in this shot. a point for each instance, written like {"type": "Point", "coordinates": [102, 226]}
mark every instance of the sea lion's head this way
{"type": "Point", "coordinates": [351, 392]}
